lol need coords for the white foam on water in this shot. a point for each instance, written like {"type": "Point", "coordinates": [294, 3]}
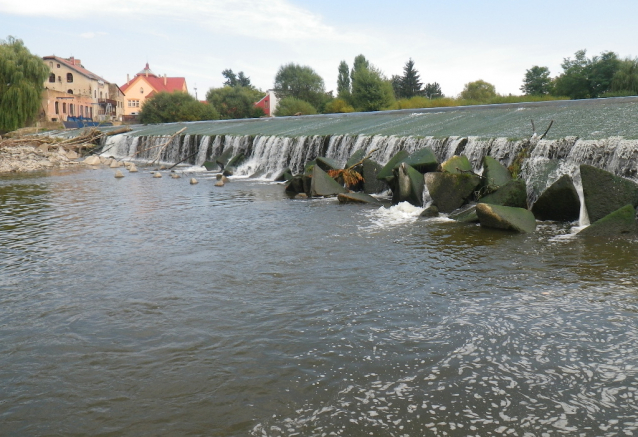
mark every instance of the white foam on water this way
{"type": "Point", "coordinates": [191, 169]}
{"type": "Point", "coordinates": [403, 213]}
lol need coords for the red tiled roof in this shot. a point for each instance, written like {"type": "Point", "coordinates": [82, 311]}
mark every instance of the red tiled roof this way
{"type": "Point", "coordinates": [172, 83]}
{"type": "Point", "coordinates": [75, 67]}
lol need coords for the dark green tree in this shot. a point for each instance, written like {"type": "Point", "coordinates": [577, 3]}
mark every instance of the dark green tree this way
{"type": "Point", "coordinates": [301, 82]}
{"type": "Point", "coordinates": [574, 82]}
{"type": "Point", "coordinates": [537, 81]}
{"type": "Point", "coordinates": [235, 102]}
{"type": "Point", "coordinates": [410, 81]}
{"type": "Point", "coordinates": [584, 78]}
{"type": "Point", "coordinates": [343, 80]}
{"type": "Point", "coordinates": [601, 73]}
{"type": "Point", "coordinates": [177, 106]}
{"type": "Point", "coordinates": [238, 79]}
{"type": "Point", "coordinates": [22, 77]}
{"type": "Point", "coordinates": [478, 90]}
{"type": "Point", "coordinates": [293, 106]}
{"type": "Point", "coordinates": [432, 90]}
{"type": "Point", "coordinates": [626, 78]}
{"type": "Point", "coordinates": [397, 83]}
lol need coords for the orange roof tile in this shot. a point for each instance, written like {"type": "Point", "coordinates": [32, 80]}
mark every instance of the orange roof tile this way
{"type": "Point", "coordinates": [158, 83]}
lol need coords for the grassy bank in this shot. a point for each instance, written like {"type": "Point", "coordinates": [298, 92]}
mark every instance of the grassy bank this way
{"type": "Point", "coordinates": [424, 102]}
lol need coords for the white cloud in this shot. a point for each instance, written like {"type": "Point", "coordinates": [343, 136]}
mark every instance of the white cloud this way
{"type": "Point", "coordinates": [278, 20]}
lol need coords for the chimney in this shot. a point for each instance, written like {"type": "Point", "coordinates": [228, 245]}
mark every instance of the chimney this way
{"type": "Point", "coordinates": [78, 62]}
{"type": "Point", "coordinates": [128, 78]}
{"type": "Point", "coordinates": [164, 79]}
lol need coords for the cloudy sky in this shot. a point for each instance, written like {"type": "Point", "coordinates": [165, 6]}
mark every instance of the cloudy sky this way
{"type": "Point", "coordinates": [451, 41]}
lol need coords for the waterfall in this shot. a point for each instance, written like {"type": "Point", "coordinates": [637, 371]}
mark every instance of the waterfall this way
{"type": "Point", "coordinates": [268, 155]}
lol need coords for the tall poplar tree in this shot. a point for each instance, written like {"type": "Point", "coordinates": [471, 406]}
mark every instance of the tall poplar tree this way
{"type": "Point", "coordinates": [22, 77]}
{"type": "Point", "coordinates": [360, 63]}
{"type": "Point", "coordinates": [343, 80]}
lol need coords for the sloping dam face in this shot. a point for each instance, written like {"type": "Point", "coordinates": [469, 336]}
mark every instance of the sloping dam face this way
{"type": "Point", "coordinates": [600, 132]}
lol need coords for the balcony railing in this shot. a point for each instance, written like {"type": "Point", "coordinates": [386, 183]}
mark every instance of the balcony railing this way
{"type": "Point", "coordinates": [105, 102]}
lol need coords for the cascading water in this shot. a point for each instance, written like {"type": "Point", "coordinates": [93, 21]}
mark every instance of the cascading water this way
{"type": "Point", "coordinates": [266, 156]}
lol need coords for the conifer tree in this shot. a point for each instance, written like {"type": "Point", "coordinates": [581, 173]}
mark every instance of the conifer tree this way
{"type": "Point", "coordinates": [410, 82]}
{"type": "Point", "coordinates": [22, 77]}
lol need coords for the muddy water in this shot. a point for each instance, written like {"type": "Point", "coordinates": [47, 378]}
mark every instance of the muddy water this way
{"type": "Point", "coordinates": [149, 306]}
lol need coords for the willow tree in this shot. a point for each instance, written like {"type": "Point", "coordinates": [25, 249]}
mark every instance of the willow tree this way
{"type": "Point", "coordinates": [22, 77]}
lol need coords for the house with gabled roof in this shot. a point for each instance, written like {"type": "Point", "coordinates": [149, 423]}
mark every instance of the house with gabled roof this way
{"type": "Point", "coordinates": [145, 85]}
{"type": "Point", "coordinates": [73, 91]}
{"type": "Point", "coordinates": [268, 103]}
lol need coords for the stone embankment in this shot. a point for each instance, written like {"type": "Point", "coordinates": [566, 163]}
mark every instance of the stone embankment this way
{"type": "Point", "coordinates": [21, 151]}
{"type": "Point", "coordinates": [496, 198]}
{"type": "Point", "coordinates": [23, 156]}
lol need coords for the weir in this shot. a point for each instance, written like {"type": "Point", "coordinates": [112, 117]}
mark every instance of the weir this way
{"type": "Point", "coordinates": [599, 132]}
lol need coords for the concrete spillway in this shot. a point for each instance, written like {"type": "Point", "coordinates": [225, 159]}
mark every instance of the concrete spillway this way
{"type": "Point", "coordinates": [587, 119]}
{"type": "Point", "coordinates": [602, 132]}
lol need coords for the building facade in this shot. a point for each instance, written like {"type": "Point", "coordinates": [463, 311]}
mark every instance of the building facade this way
{"type": "Point", "coordinates": [73, 91]}
{"type": "Point", "coordinates": [268, 104]}
{"type": "Point", "coordinates": [145, 85]}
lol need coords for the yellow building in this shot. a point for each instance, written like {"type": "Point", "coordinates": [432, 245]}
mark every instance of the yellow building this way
{"type": "Point", "coordinates": [74, 91]}
{"type": "Point", "coordinates": [146, 84]}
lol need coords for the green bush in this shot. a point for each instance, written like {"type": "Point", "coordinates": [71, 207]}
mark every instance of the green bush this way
{"type": "Point", "coordinates": [338, 106]}
{"type": "Point", "coordinates": [293, 106]}
{"type": "Point", "coordinates": [478, 90]}
{"type": "Point", "coordinates": [625, 93]}
{"type": "Point", "coordinates": [177, 106]}
{"type": "Point", "coordinates": [422, 102]}
{"type": "Point", "coordinates": [234, 102]}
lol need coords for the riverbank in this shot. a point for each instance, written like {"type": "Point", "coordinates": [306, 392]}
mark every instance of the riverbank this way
{"type": "Point", "coordinates": [22, 152]}
{"type": "Point", "coordinates": [22, 156]}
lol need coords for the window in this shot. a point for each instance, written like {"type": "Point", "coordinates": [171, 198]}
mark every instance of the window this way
{"type": "Point", "coordinates": [52, 78]}
{"type": "Point", "coordinates": [141, 90]}
{"type": "Point", "coordinates": [69, 77]}
{"type": "Point", "coordinates": [95, 94]}
{"type": "Point", "coordinates": [69, 91]}
{"type": "Point", "coordinates": [71, 109]}
{"type": "Point", "coordinates": [133, 103]}
{"type": "Point", "coordinates": [58, 65]}
{"type": "Point", "coordinates": [57, 107]}
{"type": "Point", "coordinates": [64, 107]}
{"type": "Point", "coordinates": [100, 94]}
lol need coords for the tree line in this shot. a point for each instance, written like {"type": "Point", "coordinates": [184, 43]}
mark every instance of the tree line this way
{"type": "Point", "coordinates": [605, 75]}
{"type": "Point", "coordinates": [301, 90]}
{"type": "Point", "coordinates": [364, 87]}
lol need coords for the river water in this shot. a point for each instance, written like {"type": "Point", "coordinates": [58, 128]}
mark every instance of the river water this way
{"type": "Point", "coordinates": [147, 306]}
